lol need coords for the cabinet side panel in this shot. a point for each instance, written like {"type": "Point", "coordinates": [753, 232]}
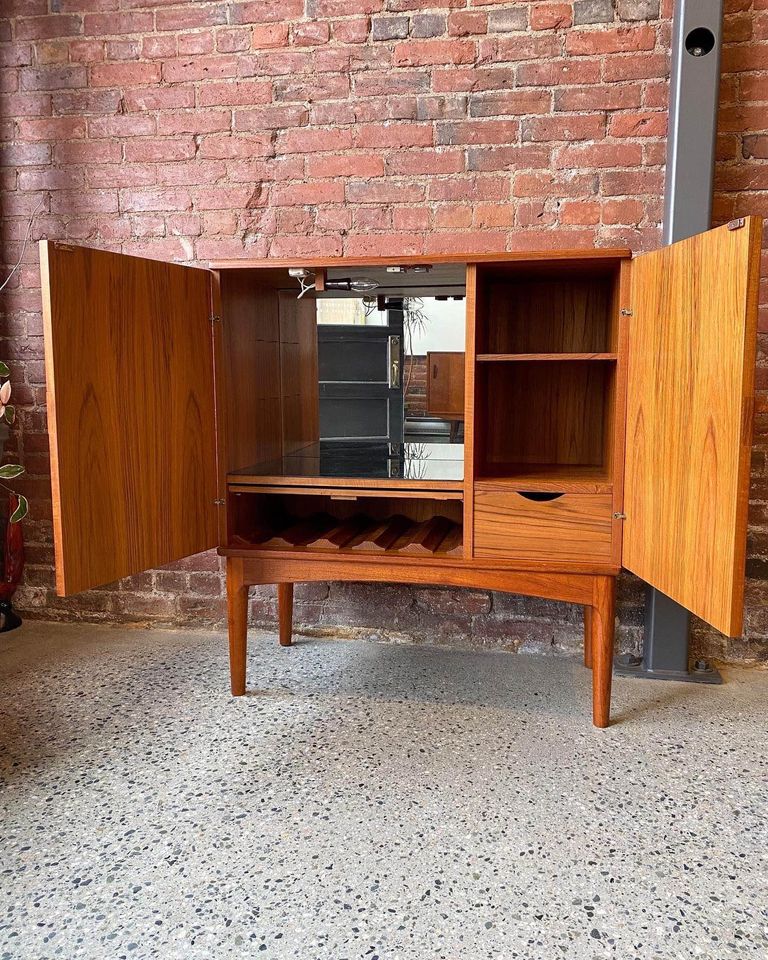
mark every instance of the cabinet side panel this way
{"type": "Point", "coordinates": [251, 368]}
{"type": "Point", "coordinates": [692, 346]}
{"type": "Point", "coordinates": [220, 407]}
{"type": "Point", "coordinates": [616, 433]}
{"type": "Point", "coordinates": [299, 388]}
{"type": "Point", "coordinates": [473, 424]}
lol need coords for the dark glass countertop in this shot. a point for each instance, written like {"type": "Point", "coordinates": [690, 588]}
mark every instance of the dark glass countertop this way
{"type": "Point", "coordinates": [366, 460]}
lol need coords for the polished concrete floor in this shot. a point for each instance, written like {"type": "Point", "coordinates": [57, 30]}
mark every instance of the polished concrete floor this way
{"type": "Point", "coordinates": [370, 801]}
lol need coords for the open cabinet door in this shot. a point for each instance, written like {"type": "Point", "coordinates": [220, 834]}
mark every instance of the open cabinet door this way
{"type": "Point", "coordinates": [130, 393]}
{"type": "Point", "coordinates": [690, 385]}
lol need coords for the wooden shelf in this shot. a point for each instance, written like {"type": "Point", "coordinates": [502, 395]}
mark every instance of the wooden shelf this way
{"type": "Point", "coordinates": [349, 492]}
{"type": "Point", "coordinates": [527, 357]}
{"type": "Point", "coordinates": [546, 477]}
{"type": "Point", "coordinates": [436, 537]}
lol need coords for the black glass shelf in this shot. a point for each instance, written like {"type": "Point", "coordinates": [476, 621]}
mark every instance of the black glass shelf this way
{"type": "Point", "coordinates": [365, 460]}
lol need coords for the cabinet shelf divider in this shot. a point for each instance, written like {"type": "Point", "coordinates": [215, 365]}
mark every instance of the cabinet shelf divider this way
{"type": "Point", "coordinates": [548, 357]}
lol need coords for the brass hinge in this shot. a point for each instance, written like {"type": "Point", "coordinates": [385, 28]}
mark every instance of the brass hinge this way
{"type": "Point", "coordinates": [619, 516]}
{"type": "Point", "coordinates": [625, 312]}
{"type": "Point", "coordinates": [215, 318]}
{"type": "Point", "coordinates": [737, 224]}
{"type": "Point", "coordinates": [219, 502]}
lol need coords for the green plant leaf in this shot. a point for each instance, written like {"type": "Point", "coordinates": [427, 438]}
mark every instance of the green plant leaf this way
{"type": "Point", "coordinates": [21, 511]}
{"type": "Point", "coordinates": [4, 369]}
{"type": "Point", "coordinates": [10, 413]}
{"type": "Point", "coordinates": [11, 470]}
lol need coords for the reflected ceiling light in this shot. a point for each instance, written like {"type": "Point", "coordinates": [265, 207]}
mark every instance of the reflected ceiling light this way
{"type": "Point", "coordinates": [358, 285]}
{"type": "Point", "coordinates": [413, 268]}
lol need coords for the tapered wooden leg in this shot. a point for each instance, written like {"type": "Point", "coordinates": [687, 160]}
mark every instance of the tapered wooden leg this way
{"type": "Point", "coordinates": [237, 618]}
{"type": "Point", "coordinates": [588, 637]}
{"type": "Point", "coordinates": [602, 622]}
{"type": "Point", "coordinates": [285, 612]}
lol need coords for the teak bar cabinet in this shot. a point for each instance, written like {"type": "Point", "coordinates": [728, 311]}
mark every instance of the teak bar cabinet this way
{"type": "Point", "coordinates": [608, 415]}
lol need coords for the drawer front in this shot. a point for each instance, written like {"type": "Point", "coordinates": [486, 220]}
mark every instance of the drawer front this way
{"type": "Point", "coordinates": [573, 526]}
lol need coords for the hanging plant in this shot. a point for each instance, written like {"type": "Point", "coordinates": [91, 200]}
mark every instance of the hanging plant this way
{"type": "Point", "coordinates": [415, 322]}
{"type": "Point", "coordinates": [10, 470]}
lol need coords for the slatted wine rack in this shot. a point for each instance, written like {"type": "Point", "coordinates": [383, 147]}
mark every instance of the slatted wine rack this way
{"type": "Point", "coordinates": [437, 536]}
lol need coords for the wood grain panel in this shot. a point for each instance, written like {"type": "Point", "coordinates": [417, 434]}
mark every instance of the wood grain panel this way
{"type": "Point", "coordinates": [298, 372]}
{"type": "Point", "coordinates": [549, 478]}
{"type": "Point", "coordinates": [692, 343]}
{"type": "Point", "coordinates": [341, 534]}
{"type": "Point", "coordinates": [544, 412]}
{"type": "Point", "coordinates": [602, 627]}
{"type": "Point", "coordinates": [473, 423]}
{"type": "Point", "coordinates": [328, 522]}
{"type": "Point", "coordinates": [578, 258]}
{"type": "Point", "coordinates": [381, 483]}
{"type": "Point", "coordinates": [285, 613]}
{"type": "Point", "coordinates": [616, 403]}
{"type": "Point", "coordinates": [445, 384]}
{"type": "Point", "coordinates": [350, 493]}
{"type": "Point", "coordinates": [391, 561]}
{"type": "Point", "coordinates": [569, 587]}
{"type": "Point", "coordinates": [219, 409]}
{"type": "Point", "coordinates": [425, 538]}
{"type": "Point", "coordinates": [130, 392]}
{"type": "Point", "coordinates": [523, 357]}
{"type": "Point", "coordinates": [549, 315]}
{"type": "Point", "coordinates": [251, 370]}
{"type": "Point", "coordinates": [324, 532]}
{"type": "Point", "coordinates": [573, 527]}
{"type": "Point", "coordinates": [237, 622]}
{"type": "Point", "coordinates": [380, 535]}
{"type": "Point", "coordinates": [378, 508]}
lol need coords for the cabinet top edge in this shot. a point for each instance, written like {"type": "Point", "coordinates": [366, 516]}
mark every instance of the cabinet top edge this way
{"type": "Point", "coordinates": [600, 254]}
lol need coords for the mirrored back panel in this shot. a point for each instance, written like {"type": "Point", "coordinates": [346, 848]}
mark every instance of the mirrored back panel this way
{"type": "Point", "coordinates": [357, 376]}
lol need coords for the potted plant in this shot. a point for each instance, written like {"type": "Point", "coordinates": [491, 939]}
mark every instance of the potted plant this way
{"type": "Point", "coordinates": [18, 507]}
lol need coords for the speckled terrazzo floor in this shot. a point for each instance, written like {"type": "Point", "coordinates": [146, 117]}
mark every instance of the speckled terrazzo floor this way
{"type": "Point", "coordinates": [370, 801]}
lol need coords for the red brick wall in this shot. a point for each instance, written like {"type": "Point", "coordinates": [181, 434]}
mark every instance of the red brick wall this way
{"type": "Point", "coordinates": [210, 129]}
{"type": "Point", "coordinates": [415, 382]}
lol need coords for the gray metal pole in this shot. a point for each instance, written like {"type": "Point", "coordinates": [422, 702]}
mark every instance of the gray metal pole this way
{"type": "Point", "coordinates": [693, 105]}
{"type": "Point", "coordinates": [694, 99]}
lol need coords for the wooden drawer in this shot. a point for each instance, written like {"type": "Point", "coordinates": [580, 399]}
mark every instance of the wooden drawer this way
{"type": "Point", "coordinates": [513, 526]}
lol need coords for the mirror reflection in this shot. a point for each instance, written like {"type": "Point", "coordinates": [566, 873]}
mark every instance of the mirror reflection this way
{"type": "Point", "coordinates": [390, 387]}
